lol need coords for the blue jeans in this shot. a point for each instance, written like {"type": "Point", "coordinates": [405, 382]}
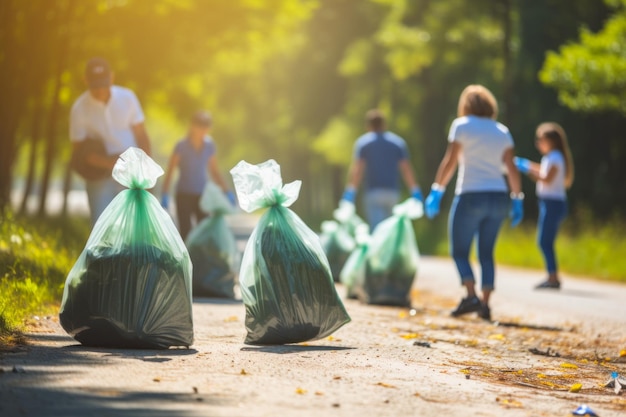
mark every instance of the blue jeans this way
{"type": "Point", "coordinates": [379, 205]}
{"type": "Point", "coordinates": [100, 193]}
{"type": "Point", "coordinates": [477, 215]}
{"type": "Point", "coordinates": [551, 214]}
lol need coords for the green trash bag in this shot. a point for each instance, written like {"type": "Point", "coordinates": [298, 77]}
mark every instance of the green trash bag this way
{"type": "Point", "coordinates": [337, 244]}
{"type": "Point", "coordinates": [131, 285]}
{"type": "Point", "coordinates": [213, 248]}
{"type": "Point", "coordinates": [393, 258]}
{"type": "Point", "coordinates": [353, 273]}
{"type": "Point", "coordinates": [285, 279]}
{"type": "Point", "coordinates": [346, 216]}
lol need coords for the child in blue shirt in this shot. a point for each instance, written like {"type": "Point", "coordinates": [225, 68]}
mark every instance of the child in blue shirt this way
{"type": "Point", "coordinates": [554, 175]}
{"type": "Point", "coordinates": [194, 156]}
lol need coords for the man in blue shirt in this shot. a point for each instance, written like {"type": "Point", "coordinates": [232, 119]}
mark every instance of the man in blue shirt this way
{"type": "Point", "coordinates": [380, 158]}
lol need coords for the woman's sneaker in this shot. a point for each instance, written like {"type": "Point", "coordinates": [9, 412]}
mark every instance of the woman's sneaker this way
{"type": "Point", "coordinates": [485, 313]}
{"type": "Point", "coordinates": [549, 285]}
{"type": "Point", "coordinates": [467, 305]}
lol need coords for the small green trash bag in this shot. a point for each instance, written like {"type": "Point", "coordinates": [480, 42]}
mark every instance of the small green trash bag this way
{"type": "Point", "coordinates": [337, 244]}
{"type": "Point", "coordinates": [285, 280]}
{"type": "Point", "coordinates": [213, 248]}
{"type": "Point", "coordinates": [131, 285]}
{"type": "Point", "coordinates": [393, 258]}
{"type": "Point", "coordinates": [346, 216]}
{"type": "Point", "coordinates": [353, 273]}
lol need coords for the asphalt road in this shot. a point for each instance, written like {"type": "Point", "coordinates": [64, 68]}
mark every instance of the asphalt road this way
{"type": "Point", "coordinates": [370, 367]}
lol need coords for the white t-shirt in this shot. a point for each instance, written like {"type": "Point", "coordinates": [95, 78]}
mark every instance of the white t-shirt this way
{"type": "Point", "coordinates": [483, 143]}
{"type": "Point", "coordinates": [110, 122]}
{"type": "Point", "coordinates": [554, 190]}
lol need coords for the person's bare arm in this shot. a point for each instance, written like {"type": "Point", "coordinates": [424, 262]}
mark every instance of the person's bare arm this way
{"type": "Point", "coordinates": [216, 175]}
{"type": "Point", "coordinates": [406, 170]}
{"type": "Point", "coordinates": [356, 173]}
{"type": "Point", "coordinates": [535, 174]}
{"type": "Point", "coordinates": [514, 177]}
{"type": "Point", "coordinates": [173, 163]}
{"type": "Point", "coordinates": [142, 138]}
{"type": "Point", "coordinates": [448, 164]}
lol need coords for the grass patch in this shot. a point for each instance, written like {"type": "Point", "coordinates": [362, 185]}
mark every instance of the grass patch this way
{"type": "Point", "coordinates": [35, 257]}
{"type": "Point", "coordinates": [583, 247]}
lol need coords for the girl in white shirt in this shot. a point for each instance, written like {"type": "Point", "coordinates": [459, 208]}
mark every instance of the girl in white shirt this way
{"type": "Point", "coordinates": [554, 175]}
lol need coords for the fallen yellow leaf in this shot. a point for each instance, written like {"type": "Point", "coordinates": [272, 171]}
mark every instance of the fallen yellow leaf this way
{"type": "Point", "coordinates": [567, 365]}
{"type": "Point", "coordinates": [231, 319]}
{"type": "Point", "coordinates": [498, 336]}
{"type": "Point", "coordinates": [622, 353]}
{"type": "Point", "coordinates": [575, 387]}
{"type": "Point", "coordinates": [402, 314]}
{"type": "Point", "coordinates": [409, 336]}
{"type": "Point", "coordinates": [511, 403]}
{"type": "Point", "coordinates": [243, 372]}
{"type": "Point", "coordinates": [541, 376]}
{"type": "Point", "coordinates": [465, 371]}
{"type": "Point", "coordinates": [156, 379]}
{"type": "Point", "coordinates": [300, 391]}
{"type": "Point", "coordinates": [383, 384]}
{"type": "Point", "coordinates": [331, 338]}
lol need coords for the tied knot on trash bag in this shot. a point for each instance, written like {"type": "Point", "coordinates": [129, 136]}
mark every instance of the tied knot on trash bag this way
{"type": "Point", "coordinates": [260, 186]}
{"type": "Point", "coordinates": [285, 278]}
{"type": "Point", "coordinates": [214, 202]}
{"type": "Point", "coordinates": [411, 208]}
{"type": "Point", "coordinates": [136, 170]}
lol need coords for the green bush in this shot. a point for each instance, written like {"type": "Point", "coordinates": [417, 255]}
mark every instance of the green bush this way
{"type": "Point", "coordinates": [35, 257]}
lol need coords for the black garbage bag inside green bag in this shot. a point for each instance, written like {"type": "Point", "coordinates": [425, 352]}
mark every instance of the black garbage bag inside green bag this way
{"type": "Point", "coordinates": [213, 248]}
{"type": "Point", "coordinates": [285, 279]}
{"type": "Point", "coordinates": [393, 258]}
{"type": "Point", "coordinates": [131, 285]}
{"type": "Point", "coordinates": [337, 244]}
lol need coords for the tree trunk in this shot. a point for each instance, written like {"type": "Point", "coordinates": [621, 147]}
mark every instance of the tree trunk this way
{"type": "Point", "coordinates": [53, 117]}
{"type": "Point", "coordinates": [67, 185]}
{"type": "Point", "coordinates": [32, 157]}
{"type": "Point", "coordinates": [507, 76]}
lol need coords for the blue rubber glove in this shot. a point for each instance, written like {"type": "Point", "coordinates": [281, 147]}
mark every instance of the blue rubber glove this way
{"type": "Point", "coordinates": [416, 193]}
{"type": "Point", "coordinates": [517, 211]}
{"type": "Point", "coordinates": [349, 194]}
{"type": "Point", "coordinates": [165, 200]}
{"type": "Point", "coordinates": [433, 202]}
{"type": "Point", "coordinates": [522, 164]}
{"type": "Point", "coordinates": [231, 197]}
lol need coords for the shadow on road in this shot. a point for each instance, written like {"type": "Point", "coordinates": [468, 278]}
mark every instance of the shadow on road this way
{"type": "Point", "coordinates": [281, 350]}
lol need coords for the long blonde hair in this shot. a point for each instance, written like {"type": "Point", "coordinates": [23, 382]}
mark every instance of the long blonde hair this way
{"type": "Point", "coordinates": [554, 133]}
{"type": "Point", "coordinates": [477, 100]}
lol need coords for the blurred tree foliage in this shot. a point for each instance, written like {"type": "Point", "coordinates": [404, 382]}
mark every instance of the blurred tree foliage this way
{"type": "Point", "coordinates": [291, 79]}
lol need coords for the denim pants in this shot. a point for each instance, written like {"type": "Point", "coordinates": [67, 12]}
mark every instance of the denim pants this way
{"type": "Point", "coordinates": [551, 214]}
{"type": "Point", "coordinates": [188, 207]}
{"type": "Point", "coordinates": [476, 215]}
{"type": "Point", "coordinates": [100, 193]}
{"type": "Point", "coordinates": [379, 205]}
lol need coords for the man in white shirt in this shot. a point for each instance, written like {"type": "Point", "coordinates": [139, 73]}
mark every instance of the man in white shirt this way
{"type": "Point", "coordinates": [111, 117]}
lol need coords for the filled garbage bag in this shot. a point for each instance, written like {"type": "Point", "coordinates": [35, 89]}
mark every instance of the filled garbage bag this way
{"type": "Point", "coordinates": [131, 285]}
{"type": "Point", "coordinates": [353, 273]}
{"type": "Point", "coordinates": [285, 279]}
{"type": "Point", "coordinates": [337, 245]}
{"type": "Point", "coordinates": [213, 248]}
{"type": "Point", "coordinates": [346, 216]}
{"type": "Point", "coordinates": [393, 258]}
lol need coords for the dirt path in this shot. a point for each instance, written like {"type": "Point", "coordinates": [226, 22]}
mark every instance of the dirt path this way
{"type": "Point", "coordinates": [371, 367]}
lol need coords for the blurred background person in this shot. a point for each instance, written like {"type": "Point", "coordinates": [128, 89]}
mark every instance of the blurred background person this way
{"type": "Point", "coordinates": [479, 146]}
{"type": "Point", "coordinates": [104, 121]}
{"type": "Point", "coordinates": [554, 176]}
{"type": "Point", "coordinates": [194, 156]}
{"type": "Point", "coordinates": [380, 157]}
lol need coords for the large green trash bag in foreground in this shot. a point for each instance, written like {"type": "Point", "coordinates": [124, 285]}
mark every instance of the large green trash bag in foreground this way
{"type": "Point", "coordinates": [393, 258]}
{"type": "Point", "coordinates": [213, 248]}
{"type": "Point", "coordinates": [285, 279]}
{"type": "Point", "coordinates": [131, 285]}
{"type": "Point", "coordinates": [353, 272]}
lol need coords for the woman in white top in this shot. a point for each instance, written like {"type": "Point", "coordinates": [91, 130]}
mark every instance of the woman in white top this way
{"type": "Point", "coordinates": [480, 147]}
{"type": "Point", "coordinates": [554, 176]}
